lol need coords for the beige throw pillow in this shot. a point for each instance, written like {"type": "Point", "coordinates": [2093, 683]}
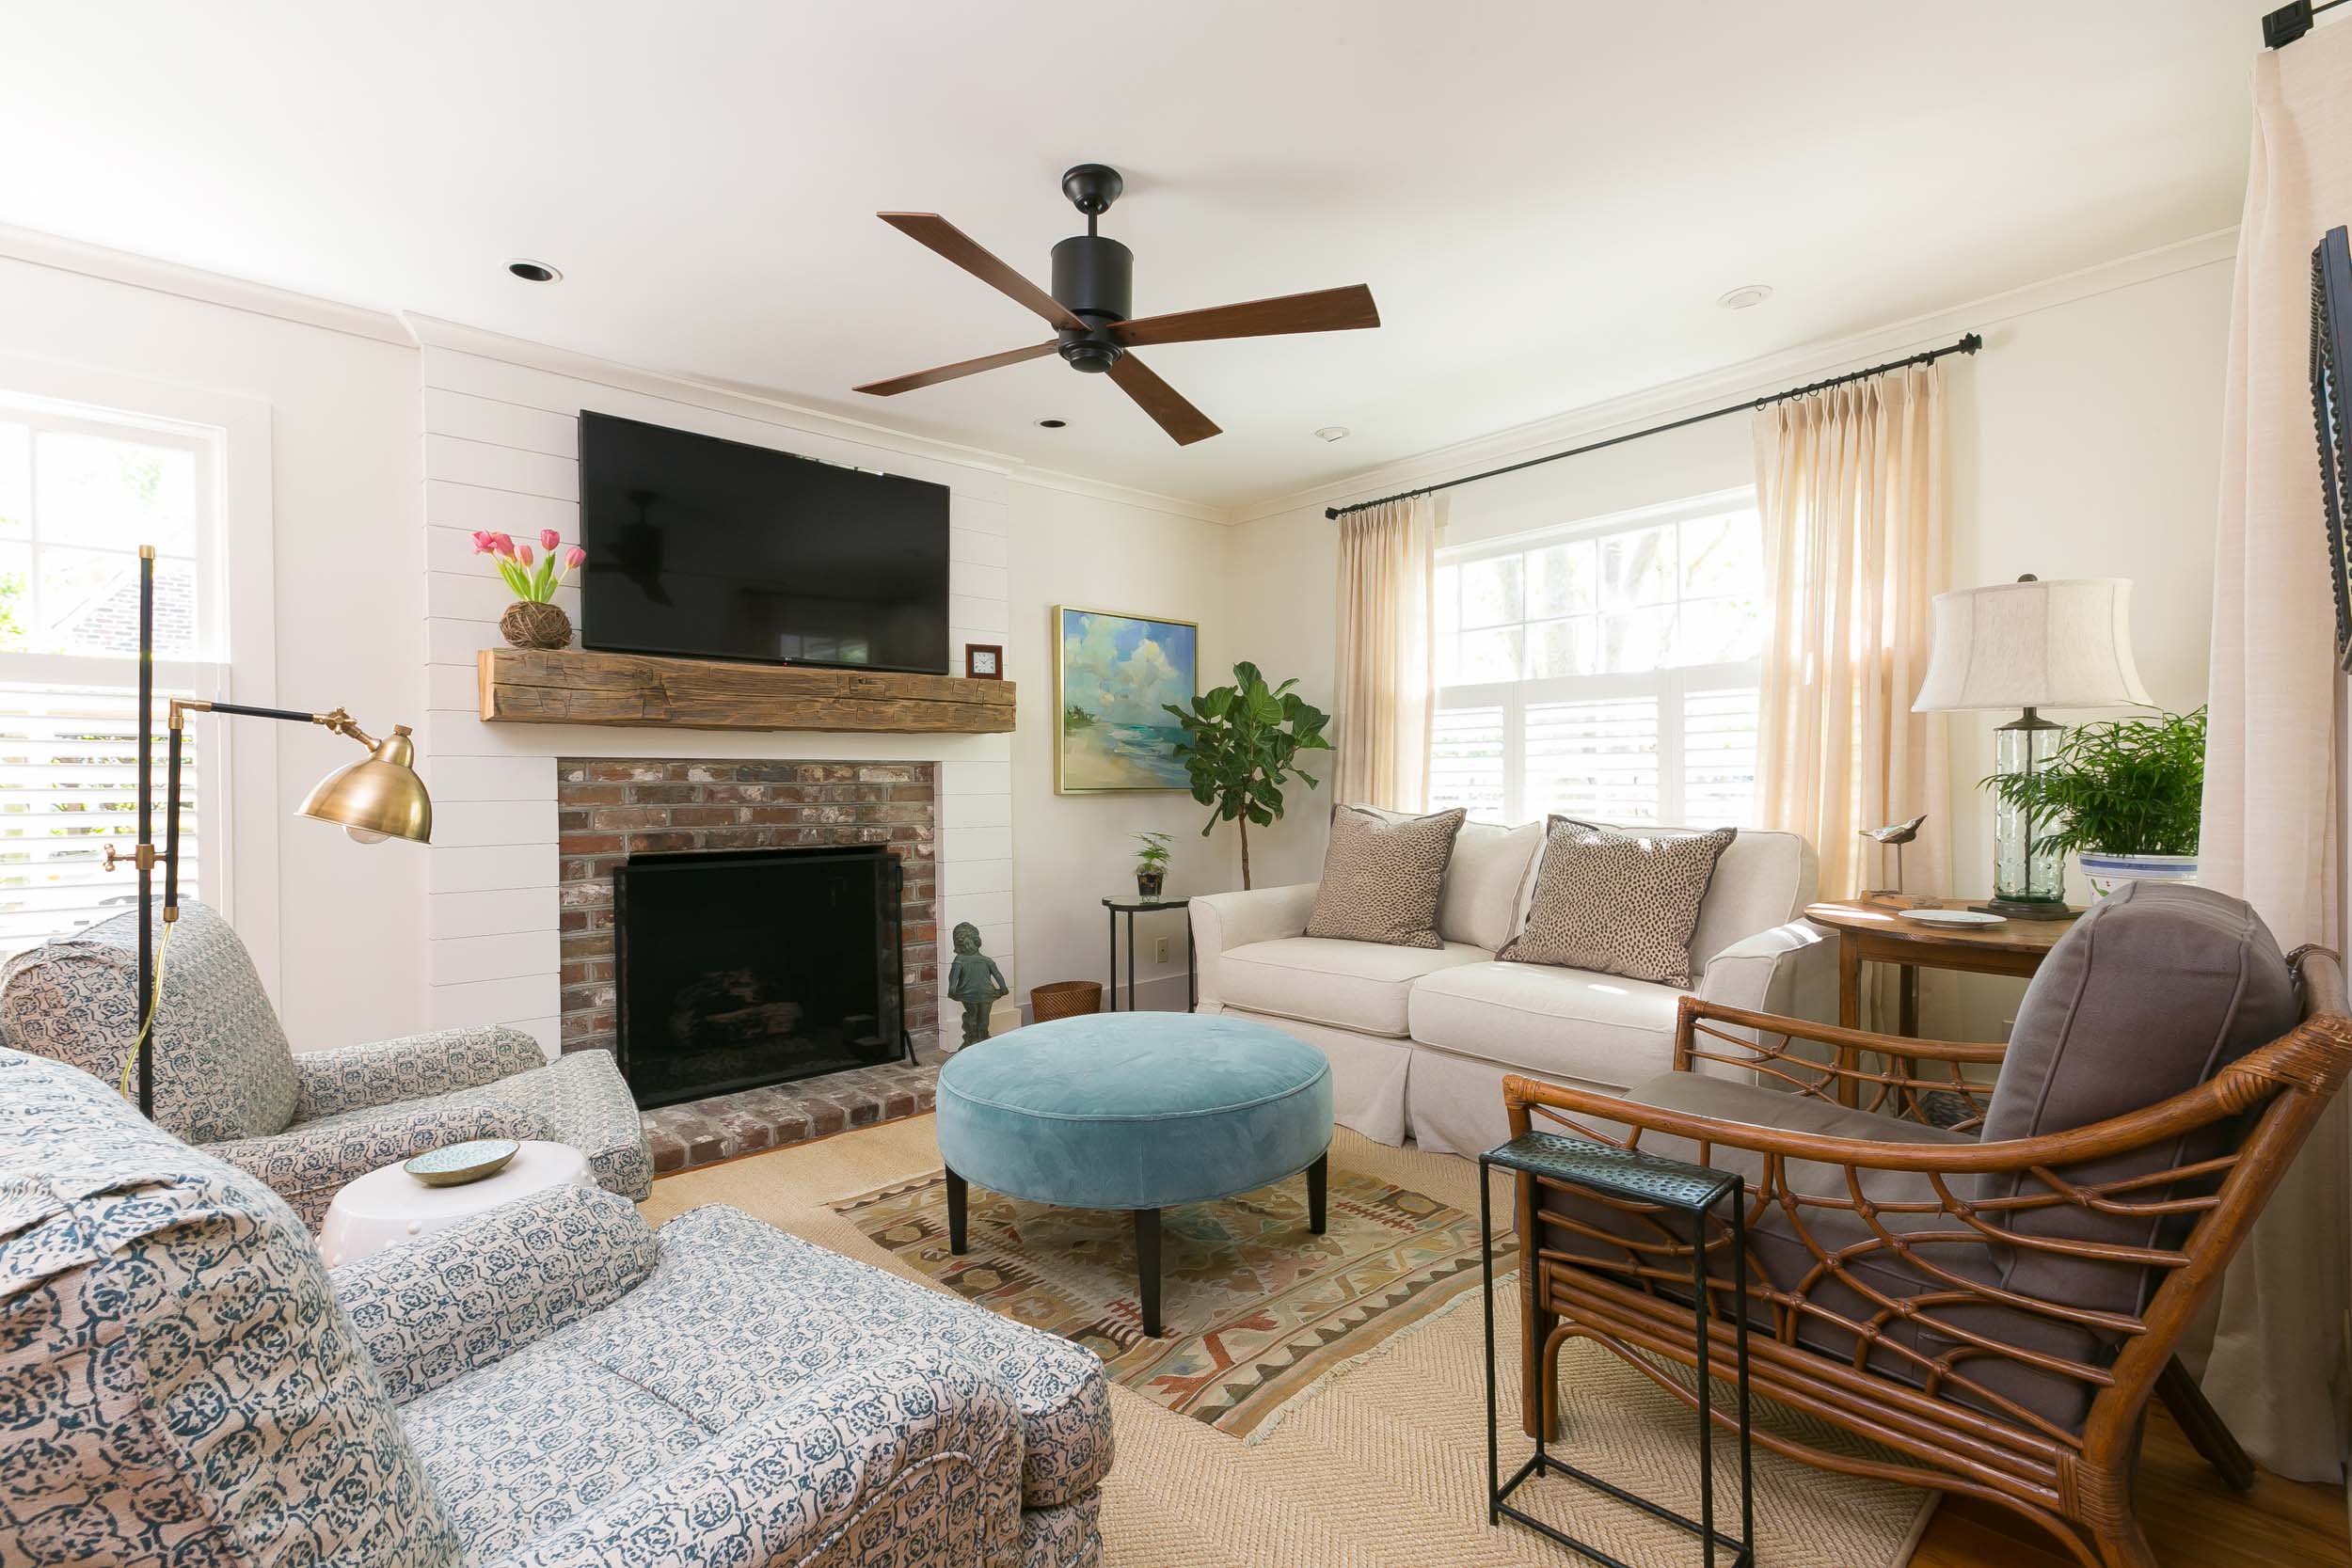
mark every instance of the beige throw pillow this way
{"type": "Point", "coordinates": [1382, 880]}
{"type": "Point", "coordinates": [1616, 902]}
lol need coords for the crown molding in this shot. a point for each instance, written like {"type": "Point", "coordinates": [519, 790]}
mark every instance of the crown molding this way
{"type": "Point", "coordinates": [171, 278]}
{"type": "Point", "coordinates": [1747, 379]}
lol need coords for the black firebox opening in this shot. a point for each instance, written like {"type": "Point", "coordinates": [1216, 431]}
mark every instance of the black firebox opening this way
{"type": "Point", "coordinates": [759, 966]}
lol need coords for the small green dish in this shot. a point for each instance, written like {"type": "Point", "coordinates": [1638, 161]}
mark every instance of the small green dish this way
{"type": "Point", "coordinates": [459, 1163]}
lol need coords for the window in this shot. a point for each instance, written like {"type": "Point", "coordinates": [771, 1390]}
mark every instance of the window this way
{"type": "Point", "coordinates": [1606, 671]}
{"type": "Point", "coordinates": [80, 492]}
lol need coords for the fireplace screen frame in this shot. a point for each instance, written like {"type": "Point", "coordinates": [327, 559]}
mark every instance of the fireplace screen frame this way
{"type": "Point", "coordinates": [890, 979]}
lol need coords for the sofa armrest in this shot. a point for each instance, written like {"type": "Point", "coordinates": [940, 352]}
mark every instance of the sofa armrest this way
{"type": "Point", "coordinates": [914, 1460]}
{"type": "Point", "coordinates": [1224, 921]}
{"type": "Point", "coordinates": [432, 1309]}
{"type": "Point", "coordinates": [413, 1067]}
{"type": "Point", "coordinates": [307, 1164]}
{"type": "Point", "coordinates": [1791, 969]}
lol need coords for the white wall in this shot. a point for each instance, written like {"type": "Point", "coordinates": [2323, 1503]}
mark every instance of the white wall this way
{"type": "Point", "coordinates": [1075, 550]}
{"type": "Point", "coordinates": [348, 608]}
{"type": "Point", "coordinates": [2084, 440]}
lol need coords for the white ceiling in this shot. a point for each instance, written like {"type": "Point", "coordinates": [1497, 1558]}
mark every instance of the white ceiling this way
{"type": "Point", "coordinates": [1545, 198]}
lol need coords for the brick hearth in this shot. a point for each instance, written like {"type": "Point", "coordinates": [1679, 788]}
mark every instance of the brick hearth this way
{"type": "Point", "coordinates": [702, 1132]}
{"type": "Point", "coordinates": [609, 808]}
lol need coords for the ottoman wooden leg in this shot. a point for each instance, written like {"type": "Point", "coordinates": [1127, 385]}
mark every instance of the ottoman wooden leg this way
{"type": "Point", "coordinates": [958, 1195]}
{"type": "Point", "coordinates": [1148, 1268]}
{"type": "Point", "coordinates": [1318, 1186]}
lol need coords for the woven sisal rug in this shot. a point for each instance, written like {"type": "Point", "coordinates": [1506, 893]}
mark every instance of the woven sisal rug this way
{"type": "Point", "coordinates": [1256, 1310]}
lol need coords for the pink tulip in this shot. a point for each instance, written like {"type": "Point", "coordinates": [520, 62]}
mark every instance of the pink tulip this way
{"type": "Point", "coordinates": [501, 544]}
{"type": "Point", "coordinates": [548, 539]}
{"type": "Point", "coordinates": [575, 557]}
{"type": "Point", "coordinates": [522, 553]}
{"type": "Point", "coordinates": [483, 544]}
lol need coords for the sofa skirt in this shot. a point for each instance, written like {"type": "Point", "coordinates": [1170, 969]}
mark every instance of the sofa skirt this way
{"type": "Point", "coordinates": [1367, 1072]}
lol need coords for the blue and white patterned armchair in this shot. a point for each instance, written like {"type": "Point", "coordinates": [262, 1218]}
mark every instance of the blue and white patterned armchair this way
{"type": "Point", "coordinates": [549, 1385]}
{"type": "Point", "coordinates": [307, 1124]}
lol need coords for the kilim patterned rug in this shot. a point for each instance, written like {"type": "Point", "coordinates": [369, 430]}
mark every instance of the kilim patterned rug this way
{"type": "Point", "coordinates": [1257, 1310]}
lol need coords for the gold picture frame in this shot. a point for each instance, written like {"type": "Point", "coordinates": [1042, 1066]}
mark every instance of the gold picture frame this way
{"type": "Point", "coordinates": [1110, 745]}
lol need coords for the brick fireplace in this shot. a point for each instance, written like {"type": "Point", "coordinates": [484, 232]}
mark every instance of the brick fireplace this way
{"type": "Point", "coordinates": [611, 808]}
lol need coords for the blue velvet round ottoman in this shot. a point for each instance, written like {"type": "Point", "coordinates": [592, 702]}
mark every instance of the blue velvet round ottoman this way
{"type": "Point", "coordinates": [1140, 1111]}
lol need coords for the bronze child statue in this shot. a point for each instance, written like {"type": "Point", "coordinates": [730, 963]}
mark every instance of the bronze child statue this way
{"type": "Point", "coordinates": [974, 980]}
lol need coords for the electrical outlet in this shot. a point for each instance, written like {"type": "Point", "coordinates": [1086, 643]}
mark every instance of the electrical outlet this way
{"type": "Point", "coordinates": [1159, 951]}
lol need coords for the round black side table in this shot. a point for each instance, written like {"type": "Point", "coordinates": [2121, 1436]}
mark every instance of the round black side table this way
{"type": "Point", "coordinates": [1132, 908]}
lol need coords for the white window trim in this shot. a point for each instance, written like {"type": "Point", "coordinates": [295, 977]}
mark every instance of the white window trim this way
{"type": "Point", "coordinates": [1670, 686]}
{"type": "Point", "coordinates": [238, 610]}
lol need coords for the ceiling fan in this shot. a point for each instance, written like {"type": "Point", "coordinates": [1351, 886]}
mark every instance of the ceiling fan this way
{"type": "Point", "coordinates": [1088, 308]}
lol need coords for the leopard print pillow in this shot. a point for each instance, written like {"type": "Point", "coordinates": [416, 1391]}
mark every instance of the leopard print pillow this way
{"type": "Point", "coordinates": [1382, 880]}
{"type": "Point", "coordinates": [1618, 903]}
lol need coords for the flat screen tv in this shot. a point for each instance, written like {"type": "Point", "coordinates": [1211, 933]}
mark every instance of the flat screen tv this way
{"type": "Point", "coordinates": [711, 548]}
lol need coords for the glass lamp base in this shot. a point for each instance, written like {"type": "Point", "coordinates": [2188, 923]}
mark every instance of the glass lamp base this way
{"type": "Point", "coordinates": [2026, 877]}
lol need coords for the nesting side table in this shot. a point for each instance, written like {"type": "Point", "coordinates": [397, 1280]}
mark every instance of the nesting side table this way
{"type": "Point", "coordinates": [1671, 1186]}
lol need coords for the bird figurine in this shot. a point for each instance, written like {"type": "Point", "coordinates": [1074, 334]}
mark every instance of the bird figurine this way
{"type": "Point", "coordinates": [1897, 835]}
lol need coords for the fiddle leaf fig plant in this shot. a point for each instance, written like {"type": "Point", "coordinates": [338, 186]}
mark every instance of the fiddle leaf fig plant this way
{"type": "Point", "coordinates": [2122, 787]}
{"type": "Point", "coordinates": [1241, 746]}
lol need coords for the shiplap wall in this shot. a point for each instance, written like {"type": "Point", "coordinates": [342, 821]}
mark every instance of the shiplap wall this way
{"type": "Point", "coordinates": [501, 453]}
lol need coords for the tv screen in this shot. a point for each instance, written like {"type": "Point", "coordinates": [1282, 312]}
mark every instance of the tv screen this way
{"type": "Point", "coordinates": [717, 549]}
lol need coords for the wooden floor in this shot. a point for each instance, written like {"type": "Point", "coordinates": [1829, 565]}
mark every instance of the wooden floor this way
{"type": "Point", "coordinates": [2192, 1520]}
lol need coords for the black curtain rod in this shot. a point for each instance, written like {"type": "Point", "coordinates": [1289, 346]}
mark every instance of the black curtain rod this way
{"type": "Point", "coordinates": [2289, 23]}
{"type": "Point", "coordinates": [1968, 344]}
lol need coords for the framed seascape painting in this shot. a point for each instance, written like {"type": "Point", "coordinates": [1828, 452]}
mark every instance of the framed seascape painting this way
{"type": "Point", "coordinates": [1113, 676]}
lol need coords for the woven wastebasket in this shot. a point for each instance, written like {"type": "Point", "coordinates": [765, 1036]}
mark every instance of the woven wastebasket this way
{"type": "Point", "coordinates": [1065, 999]}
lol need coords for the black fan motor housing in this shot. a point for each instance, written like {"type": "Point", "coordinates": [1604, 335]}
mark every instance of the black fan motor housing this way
{"type": "Point", "coordinates": [1095, 278]}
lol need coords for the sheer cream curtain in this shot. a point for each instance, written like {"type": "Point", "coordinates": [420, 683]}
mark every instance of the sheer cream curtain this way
{"type": "Point", "coordinates": [2271, 831]}
{"type": "Point", "coordinates": [1850, 482]}
{"type": "Point", "coordinates": [1387, 658]}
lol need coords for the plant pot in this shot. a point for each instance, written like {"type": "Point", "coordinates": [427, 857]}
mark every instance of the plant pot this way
{"type": "Point", "coordinates": [529, 624]}
{"type": "Point", "coordinates": [2106, 872]}
{"type": "Point", "coordinates": [1147, 883]}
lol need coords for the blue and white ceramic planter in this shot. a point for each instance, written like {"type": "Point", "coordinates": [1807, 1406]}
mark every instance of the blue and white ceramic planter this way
{"type": "Point", "coordinates": [2105, 873]}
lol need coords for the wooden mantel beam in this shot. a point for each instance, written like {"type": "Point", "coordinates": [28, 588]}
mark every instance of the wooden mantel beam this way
{"type": "Point", "coordinates": [574, 686]}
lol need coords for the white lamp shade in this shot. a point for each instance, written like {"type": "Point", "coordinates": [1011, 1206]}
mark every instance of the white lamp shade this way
{"type": "Point", "coordinates": [2059, 644]}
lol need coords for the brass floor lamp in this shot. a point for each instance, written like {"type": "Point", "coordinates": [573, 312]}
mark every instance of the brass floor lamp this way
{"type": "Point", "coordinates": [372, 799]}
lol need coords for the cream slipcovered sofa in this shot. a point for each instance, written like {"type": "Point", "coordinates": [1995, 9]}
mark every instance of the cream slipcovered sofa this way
{"type": "Point", "coordinates": [1419, 1038]}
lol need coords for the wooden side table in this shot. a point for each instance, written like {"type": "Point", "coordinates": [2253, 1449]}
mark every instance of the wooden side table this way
{"type": "Point", "coordinates": [1871, 929]}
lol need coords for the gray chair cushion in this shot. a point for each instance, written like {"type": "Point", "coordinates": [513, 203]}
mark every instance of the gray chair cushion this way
{"type": "Point", "coordinates": [1867, 1279]}
{"type": "Point", "coordinates": [223, 1069]}
{"type": "Point", "coordinates": [2157, 987]}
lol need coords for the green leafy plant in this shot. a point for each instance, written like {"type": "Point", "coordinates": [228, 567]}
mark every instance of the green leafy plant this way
{"type": "Point", "coordinates": [1241, 746]}
{"type": "Point", "coordinates": [2124, 786]}
{"type": "Point", "coordinates": [1153, 855]}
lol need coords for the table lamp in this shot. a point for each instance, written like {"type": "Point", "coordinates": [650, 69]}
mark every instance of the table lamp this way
{"type": "Point", "coordinates": [377, 797]}
{"type": "Point", "coordinates": [2030, 645]}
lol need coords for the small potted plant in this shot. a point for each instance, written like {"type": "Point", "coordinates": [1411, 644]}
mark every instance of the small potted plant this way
{"type": "Point", "coordinates": [2124, 795]}
{"type": "Point", "coordinates": [1151, 865]}
{"type": "Point", "coordinates": [533, 620]}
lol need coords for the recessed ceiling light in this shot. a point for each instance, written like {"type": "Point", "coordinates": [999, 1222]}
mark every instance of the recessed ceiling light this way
{"type": "Point", "coordinates": [1051, 424]}
{"type": "Point", "coordinates": [1747, 294]}
{"type": "Point", "coordinates": [1332, 433]}
{"type": "Point", "coordinates": [534, 272]}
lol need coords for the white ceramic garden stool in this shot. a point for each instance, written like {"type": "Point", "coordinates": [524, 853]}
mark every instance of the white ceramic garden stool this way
{"type": "Point", "coordinates": [388, 1206]}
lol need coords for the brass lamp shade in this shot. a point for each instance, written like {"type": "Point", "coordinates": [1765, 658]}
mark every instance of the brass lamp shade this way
{"type": "Point", "coordinates": [379, 798]}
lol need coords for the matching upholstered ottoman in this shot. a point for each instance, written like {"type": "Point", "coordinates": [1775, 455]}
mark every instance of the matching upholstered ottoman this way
{"type": "Point", "coordinates": [1139, 1111]}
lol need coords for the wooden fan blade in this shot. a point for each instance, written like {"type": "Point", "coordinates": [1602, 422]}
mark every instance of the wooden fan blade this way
{"type": "Point", "coordinates": [1184, 424]}
{"type": "Point", "coordinates": [1325, 311]}
{"type": "Point", "coordinates": [929, 229]}
{"type": "Point", "coordinates": [961, 368]}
